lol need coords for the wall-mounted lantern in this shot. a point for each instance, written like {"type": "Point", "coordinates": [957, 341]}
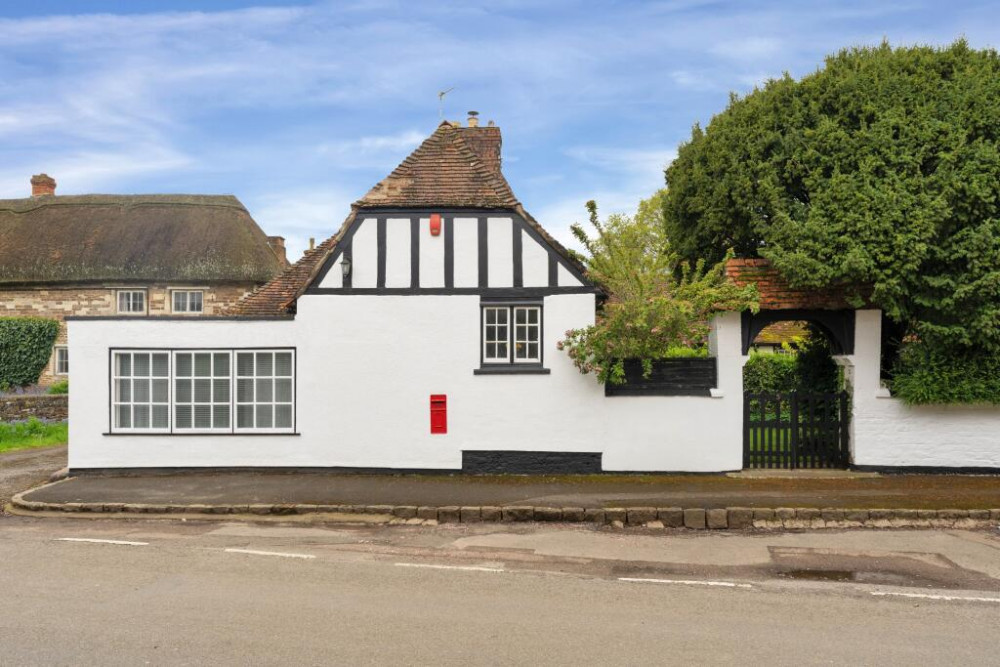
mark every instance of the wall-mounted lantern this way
{"type": "Point", "coordinates": [345, 266]}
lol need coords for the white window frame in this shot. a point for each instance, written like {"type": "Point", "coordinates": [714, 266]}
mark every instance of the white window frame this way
{"type": "Point", "coordinates": [115, 377]}
{"type": "Point", "coordinates": [60, 349]}
{"type": "Point", "coordinates": [514, 340]}
{"type": "Point", "coordinates": [119, 294]}
{"type": "Point", "coordinates": [511, 359]}
{"type": "Point", "coordinates": [211, 378]}
{"type": "Point", "coordinates": [174, 293]}
{"type": "Point", "coordinates": [273, 376]}
{"type": "Point", "coordinates": [493, 328]}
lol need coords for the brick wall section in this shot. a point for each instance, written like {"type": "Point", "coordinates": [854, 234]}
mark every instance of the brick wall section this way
{"type": "Point", "coordinates": [777, 294]}
{"type": "Point", "coordinates": [20, 408]}
{"type": "Point", "coordinates": [61, 302]}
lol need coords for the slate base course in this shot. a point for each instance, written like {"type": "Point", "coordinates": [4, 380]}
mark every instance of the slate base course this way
{"type": "Point", "coordinates": [692, 518]}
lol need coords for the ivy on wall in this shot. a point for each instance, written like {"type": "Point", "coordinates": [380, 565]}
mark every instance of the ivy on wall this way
{"type": "Point", "coordinates": [25, 348]}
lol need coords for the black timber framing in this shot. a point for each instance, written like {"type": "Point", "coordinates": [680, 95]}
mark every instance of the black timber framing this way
{"type": "Point", "coordinates": [837, 324]}
{"type": "Point", "coordinates": [520, 227]}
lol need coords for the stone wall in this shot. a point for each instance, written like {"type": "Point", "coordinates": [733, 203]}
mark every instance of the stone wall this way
{"type": "Point", "coordinates": [61, 302]}
{"type": "Point", "coordinates": [47, 407]}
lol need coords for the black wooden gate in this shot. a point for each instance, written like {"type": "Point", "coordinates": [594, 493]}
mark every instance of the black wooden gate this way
{"type": "Point", "coordinates": [796, 430]}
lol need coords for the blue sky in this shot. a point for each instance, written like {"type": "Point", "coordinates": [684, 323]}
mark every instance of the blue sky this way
{"type": "Point", "coordinates": [299, 108]}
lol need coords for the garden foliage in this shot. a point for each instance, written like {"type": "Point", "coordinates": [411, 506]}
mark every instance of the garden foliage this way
{"type": "Point", "coordinates": [881, 170]}
{"type": "Point", "coordinates": [25, 348]}
{"type": "Point", "coordinates": [658, 306]}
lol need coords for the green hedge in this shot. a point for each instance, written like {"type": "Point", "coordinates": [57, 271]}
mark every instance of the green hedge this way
{"type": "Point", "coordinates": [25, 348]}
{"type": "Point", "coordinates": [770, 373]}
{"type": "Point", "coordinates": [810, 369]}
{"type": "Point", "coordinates": [923, 375]}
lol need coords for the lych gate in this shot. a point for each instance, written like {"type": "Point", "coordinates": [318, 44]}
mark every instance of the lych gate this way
{"type": "Point", "coordinates": [795, 428]}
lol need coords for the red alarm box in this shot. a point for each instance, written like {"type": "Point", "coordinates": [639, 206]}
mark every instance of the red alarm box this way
{"type": "Point", "coordinates": [439, 413]}
{"type": "Point", "coordinates": [435, 224]}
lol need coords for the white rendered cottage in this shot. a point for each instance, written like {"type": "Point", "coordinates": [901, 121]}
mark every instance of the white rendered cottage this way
{"type": "Point", "coordinates": [422, 336]}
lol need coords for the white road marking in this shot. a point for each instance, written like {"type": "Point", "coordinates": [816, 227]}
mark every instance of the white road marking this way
{"type": "Point", "coordinates": [254, 552]}
{"type": "Point", "coordinates": [96, 541]}
{"type": "Point", "coordinates": [688, 582]}
{"type": "Point", "coordinates": [928, 596]}
{"type": "Point", "coordinates": [467, 568]}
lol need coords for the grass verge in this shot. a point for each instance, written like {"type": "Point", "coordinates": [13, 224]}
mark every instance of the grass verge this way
{"type": "Point", "coordinates": [32, 433]}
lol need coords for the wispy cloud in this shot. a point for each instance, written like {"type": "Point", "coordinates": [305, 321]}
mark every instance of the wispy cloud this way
{"type": "Point", "coordinates": [299, 110]}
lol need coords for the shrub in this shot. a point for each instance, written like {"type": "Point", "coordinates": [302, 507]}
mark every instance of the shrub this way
{"type": "Point", "coordinates": [60, 387]}
{"type": "Point", "coordinates": [658, 307]}
{"type": "Point", "coordinates": [769, 373]}
{"type": "Point", "coordinates": [25, 348]}
{"type": "Point", "coordinates": [925, 375]}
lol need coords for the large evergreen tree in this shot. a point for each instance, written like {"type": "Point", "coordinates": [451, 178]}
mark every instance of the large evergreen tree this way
{"type": "Point", "coordinates": [881, 169]}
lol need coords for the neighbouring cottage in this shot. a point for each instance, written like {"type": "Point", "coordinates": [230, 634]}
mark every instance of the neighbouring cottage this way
{"type": "Point", "coordinates": [422, 335]}
{"type": "Point", "coordinates": [127, 255]}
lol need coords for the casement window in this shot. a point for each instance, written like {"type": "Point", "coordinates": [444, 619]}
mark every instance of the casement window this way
{"type": "Point", "coordinates": [264, 390]}
{"type": "Point", "coordinates": [131, 301]}
{"type": "Point", "coordinates": [187, 301]}
{"type": "Point", "coordinates": [511, 338]}
{"type": "Point", "coordinates": [140, 391]}
{"type": "Point", "coordinates": [215, 391]}
{"type": "Point", "coordinates": [202, 391]}
{"type": "Point", "coordinates": [62, 360]}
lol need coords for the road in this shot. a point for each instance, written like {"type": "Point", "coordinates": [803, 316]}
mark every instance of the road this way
{"type": "Point", "coordinates": [217, 592]}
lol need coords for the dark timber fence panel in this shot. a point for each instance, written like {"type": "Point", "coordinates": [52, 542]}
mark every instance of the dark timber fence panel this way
{"type": "Point", "coordinates": [796, 430]}
{"type": "Point", "coordinates": [669, 377]}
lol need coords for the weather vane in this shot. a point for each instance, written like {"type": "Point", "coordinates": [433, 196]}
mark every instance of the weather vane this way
{"type": "Point", "coordinates": [441, 102]}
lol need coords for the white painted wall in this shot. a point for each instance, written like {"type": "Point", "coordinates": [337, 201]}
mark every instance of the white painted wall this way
{"type": "Point", "coordinates": [397, 252]}
{"type": "Point", "coordinates": [466, 252]}
{"type": "Point", "coordinates": [500, 250]}
{"type": "Point", "coordinates": [431, 255]}
{"type": "Point", "coordinates": [364, 254]}
{"type": "Point", "coordinates": [534, 262]}
{"type": "Point", "coordinates": [363, 395]}
{"type": "Point", "coordinates": [886, 432]}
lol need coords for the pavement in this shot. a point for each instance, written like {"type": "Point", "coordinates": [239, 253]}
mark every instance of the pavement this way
{"type": "Point", "coordinates": [192, 592]}
{"type": "Point", "coordinates": [25, 468]}
{"type": "Point", "coordinates": [584, 491]}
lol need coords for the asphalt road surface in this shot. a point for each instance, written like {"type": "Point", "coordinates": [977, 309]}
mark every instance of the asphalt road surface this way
{"type": "Point", "coordinates": [98, 591]}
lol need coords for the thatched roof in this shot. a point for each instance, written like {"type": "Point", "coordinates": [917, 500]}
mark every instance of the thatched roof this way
{"type": "Point", "coordinates": [114, 238]}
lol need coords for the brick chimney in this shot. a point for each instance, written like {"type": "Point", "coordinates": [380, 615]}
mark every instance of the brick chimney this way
{"type": "Point", "coordinates": [277, 244]}
{"type": "Point", "coordinates": [42, 185]}
{"type": "Point", "coordinates": [484, 141]}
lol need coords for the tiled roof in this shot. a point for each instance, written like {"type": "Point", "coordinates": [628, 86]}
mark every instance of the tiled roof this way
{"type": "Point", "coordinates": [777, 294]}
{"type": "Point", "coordinates": [446, 170]}
{"type": "Point", "coordinates": [93, 238]}
{"type": "Point", "coordinates": [454, 167]}
{"type": "Point", "coordinates": [277, 298]}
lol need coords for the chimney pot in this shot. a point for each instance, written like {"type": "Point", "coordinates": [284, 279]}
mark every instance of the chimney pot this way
{"type": "Point", "coordinates": [42, 185]}
{"type": "Point", "coordinates": [473, 119]}
{"type": "Point", "coordinates": [312, 242]}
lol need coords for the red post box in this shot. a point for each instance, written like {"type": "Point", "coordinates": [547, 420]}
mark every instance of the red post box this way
{"type": "Point", "coordinates": [435, 224]}
{"type": "Point", "coordinates": [439, 413]}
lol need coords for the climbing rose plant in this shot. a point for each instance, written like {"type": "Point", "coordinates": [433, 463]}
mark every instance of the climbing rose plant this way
{"type": "Point", "coordinates": [658, 306]}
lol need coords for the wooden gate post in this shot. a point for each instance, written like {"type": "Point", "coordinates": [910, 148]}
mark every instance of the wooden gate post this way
{"type": "Point", "coordinates": [746, 431]}
{"type": "Point", "coordinates": [845, 431]}
{"type": "Point", "coordinates": [794, 444]}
